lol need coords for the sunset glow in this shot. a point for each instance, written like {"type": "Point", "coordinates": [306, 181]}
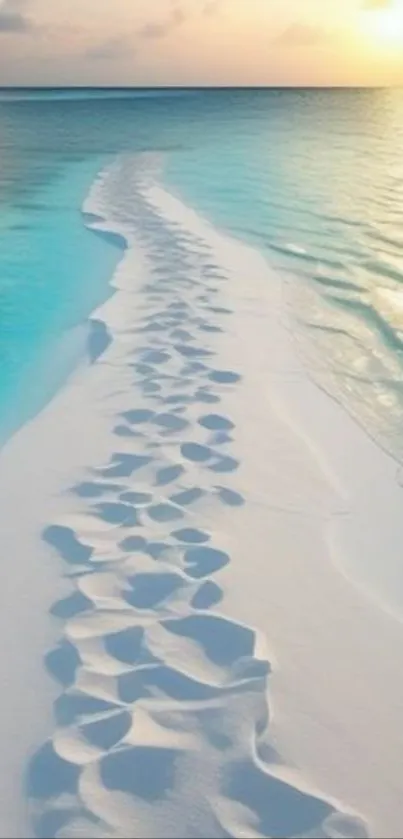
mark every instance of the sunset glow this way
{"type": "Point", "coordinates": [384, 25]}
{"type": "Point", "coordinates": [165, 42]}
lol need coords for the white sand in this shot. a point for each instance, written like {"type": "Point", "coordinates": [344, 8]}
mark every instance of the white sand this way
{"type": "Point", "coordinates": [320, 498]}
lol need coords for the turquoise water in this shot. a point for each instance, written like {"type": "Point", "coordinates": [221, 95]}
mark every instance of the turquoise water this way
{"type": "Point", "coordinates": [314, 178]}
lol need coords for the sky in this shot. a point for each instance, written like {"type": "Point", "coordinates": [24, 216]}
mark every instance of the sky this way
{"type": "Point", "coordinates": [201, 42]}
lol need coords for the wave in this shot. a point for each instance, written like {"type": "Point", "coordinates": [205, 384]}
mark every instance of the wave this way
{"type": "Point", "coordinates": [162, 725]}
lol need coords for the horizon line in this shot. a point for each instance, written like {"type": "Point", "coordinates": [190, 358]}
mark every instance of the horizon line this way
{"type": "Point", "coordinates": [199, 87]}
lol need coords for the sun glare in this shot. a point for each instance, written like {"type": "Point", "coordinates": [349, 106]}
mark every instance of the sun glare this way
{"type": "Point", "coordinates": [384, 26]}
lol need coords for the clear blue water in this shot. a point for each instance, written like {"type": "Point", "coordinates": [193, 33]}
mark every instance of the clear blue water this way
{"type": "Point", "coordinates": [314, 178]}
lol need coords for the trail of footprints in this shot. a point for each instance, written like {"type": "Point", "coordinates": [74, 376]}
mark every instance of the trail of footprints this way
{"type": "Point", "coordinates": [162, 723]}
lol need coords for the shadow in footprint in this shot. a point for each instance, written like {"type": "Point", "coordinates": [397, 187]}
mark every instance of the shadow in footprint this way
{"type": "Point", "coordinates": [187, 496]}
{"type": "Point", "coordinates": [134, 544]}
{"type": "Point", "coordinates": [123, 465]}
{"type": "Point", "coordinates": [196, 453]}
{"type": "Point", "coordinates": [50, 823]}
{"type": "Point", "coordinates": [149, 590]}
{"type": "Point", "coordinates": [170, 422]}
{"type": "Point", "coordinates": [118, 513]}
{"type": "Point", "coordinates": [49, 775]}
{"type": "Point", "coordinates": [108, 732]}
{"type": "Point", "coordinates": [157, 549]}
{"type": "Point", "coordinates": [207, 397]}
{"type": "Point", "coordinates": [164, 512]}
{"type": "Point", "coordinates": [202, 561]}
{"type": "Point", "coordinates": [99, 339]}
{"type": "Point", "coordinates": [126, 431]}
{"type": "Point", "coordinates": [127, 645]}
{"type": "Point", "coordinates": [71, 707]}
{"type": "Point", "coordinates": [230, 497]}
{"type": "Point", "coordinates": [224, 642]}
{"type": "Point", "coordinates": [215, 422]}
{"type": "Point", "coordinates": [165, 680]}
{"type": "Point", "coordinates": [224, 465]}
{"type": "Point", "coordinates": [139, 499]}
{"type": "Point", "coordinates": [70, 606]}
{"type": "Point", "coordinates": [95, 489]}
{"type": "Point", "coordinates": [145, 772]}
{"type": "Point", "coordinates": [62, 663]}
{"type": "Point", "coordinates": [66, 543]}
{"type": "Point", "coordinates": [224, 377]}
{"type": "Point", "coordinates": [155, 357]}
{"type": "Point", "coordinates": [139, 416]}
{"type": "Point", "coordinates": [190, 535]}
{"type": "Point", "coordinates": [281, 809]}
{"type": "Point", "coordinates": [208, 595]}
{"type": "Point", "coordinates": [188, 351]}
{"type": "Point", "coordinates": [168, 475]}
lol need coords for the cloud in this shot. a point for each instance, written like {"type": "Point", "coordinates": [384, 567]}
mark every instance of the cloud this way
{"type": "Point", "coordinates": [211, 7]}
{"type": "Point", "coordinates": [303, 34]}
{"type": "Point", "coordinates": [110, 50]}
{"type": "Point", "coordinates": [13, 19]}
{"type": "Point", "coordinates": [115, 48]}
{"type": "Point", "coordinates": [376, 4]}
{"type": "Point", "coordinates": [162, 28]}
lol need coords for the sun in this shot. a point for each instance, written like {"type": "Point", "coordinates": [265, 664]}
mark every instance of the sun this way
{"type": "Point", "coordinates": [384, 24]}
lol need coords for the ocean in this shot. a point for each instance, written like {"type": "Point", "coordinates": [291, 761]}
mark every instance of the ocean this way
{"type": "Point", "coordinates": [311, 177]}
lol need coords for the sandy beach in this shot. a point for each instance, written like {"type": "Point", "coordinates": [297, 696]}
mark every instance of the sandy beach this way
{"type": "Point", "coordinates": [200, 525]}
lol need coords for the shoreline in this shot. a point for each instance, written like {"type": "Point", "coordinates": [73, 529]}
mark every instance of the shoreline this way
{"type": "Point", "coordinates": [290, 592]}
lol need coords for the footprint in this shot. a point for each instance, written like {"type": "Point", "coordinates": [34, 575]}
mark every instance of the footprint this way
{"type": "Point", "coordinates": [149, 590]}
{"type": "Point", "coordinates": [188, 351]}
{"type": "Point", "coordinates": [170, 422]}
{"type": "Point", "coordinates": [156, 357]}
{"type": "Point", "coordinates": [95, 489]}
{"type": "Point", "coordinates": [164, 512]}
{"type": "Point", "coordinates": [209, 594]}
{"type": "Point", "coordinates": [215, 422]}
{"type": "Point", "coordinates": [125, 431]}
{"type": "Point", "coordinates": [220, 310]}
{"type": "Point", "coordinates": [62, 662]}
{"type": "Point", "coordinates": [203, 561]}
{"type": "Point", "coordinates": [108, 732]}
{"type": "Point", "coordinates": [280, 808]}
{"type": "Point", "coordinates": [139, 499]}
{"type": "Point", "coordinates": [148, 773]}
{"type": "Point", "coordinates": [157, 549]}
{"type": "Point", "coordinates": [66, 543]}
{"type": "Point", "coordinates": [224, 642]}
{"type": "Point", "coordinates": [224, 377]}
{"type": "Point", "coordinates": [49, 776]}
{"type": "Point", "coordinates": [187, 496]}
{"type": "Point", "coordinates": [123, 465]}
{"type": "Point", "coordinates": [178, 399]}
{"type": "Point", "coordinates": [190, 535]}
{"type": "Point", "coordinates": [229, 497]}
{"type": "Point", "coordinates": [118, 513]}
{"type": "Point", "coordinates": [127, 645]}
{"type": "Point", "coordinates": [196, 452]}
{"type": "Point", "coordinates": [139, 416]}
{"type": "Point", "coordinates": [150, 388]}
{"type": "Point", "coordinates": [169, 474]}
{"type": "Point", "coordinates": [70, 606]}
{"type": "Point", "coordinates": [72, 706]}
{"type": "Point", "coordinates": [206, 396]}
{"type": "Point", "coordinates": [134, 543]}
{"type": "Point", "coordinates": [209, 327]}
{"type": "Point", "coordinates": [224, 464]}
{"type": "Point", "coordinates": [220, 438]}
